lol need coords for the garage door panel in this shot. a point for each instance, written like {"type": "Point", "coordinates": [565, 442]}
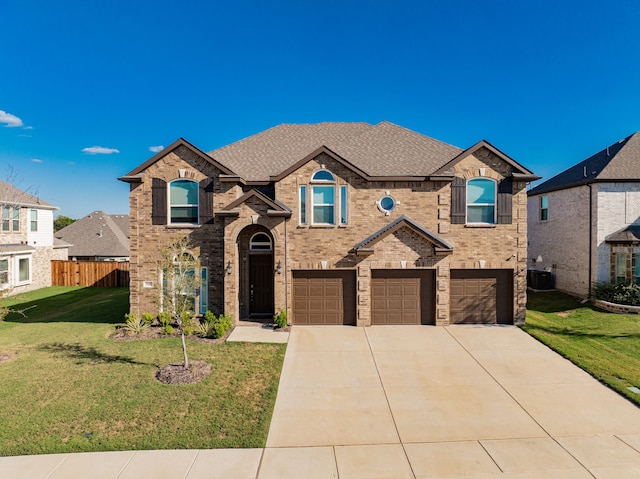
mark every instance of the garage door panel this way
{"type": "Point", "coordinates": [323, 297]}
{"type": "Point", "coordinates": [481, 297]}
{"type": "Point", "coordinates": [402, 297]}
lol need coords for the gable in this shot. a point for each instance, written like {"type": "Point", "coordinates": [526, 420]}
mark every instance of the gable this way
{"type": "Point", "coordinates": [184, 150]}
{"type": "Point", "coordinates": [403, 223]}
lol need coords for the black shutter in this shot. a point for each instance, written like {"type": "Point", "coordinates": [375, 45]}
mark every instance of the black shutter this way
{"type": "Point", "coordinates": [505, 201]}
{"type": "Point", "coordinates": [158, 202]}
{"type": "Point", "coordinates": [458, 201]}
{"type": "Point", "coordinates": [206, 201]}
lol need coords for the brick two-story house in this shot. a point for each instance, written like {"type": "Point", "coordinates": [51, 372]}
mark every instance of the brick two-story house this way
{"type": "Point", "coordinates": [584, 223]}
{"type": "Point", "coordinates": [338, 223]}
{"type": "Point", "coordinates": [27, 245]}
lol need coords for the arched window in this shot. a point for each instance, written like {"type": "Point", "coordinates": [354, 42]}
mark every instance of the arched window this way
{"type": "Point", "coordinates": [323, 175]}
{"type": "Point", "coordinates": [481, 200]}
{"type": "Point", "coordinates": [260, 242]}
{"type": "Point", "coordinates": [183, 201]}
{"type": "Point", "coordinates": [323, 198]}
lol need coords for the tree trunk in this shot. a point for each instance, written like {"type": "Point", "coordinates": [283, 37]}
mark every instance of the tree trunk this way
{"type": "Point", "coordinates": [184, 350]}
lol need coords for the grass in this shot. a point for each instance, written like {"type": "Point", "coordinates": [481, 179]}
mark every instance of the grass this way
{"type": "Point", "coordinates": [606, 345]}
{"type": "Point", "coordinates": [70, 388]}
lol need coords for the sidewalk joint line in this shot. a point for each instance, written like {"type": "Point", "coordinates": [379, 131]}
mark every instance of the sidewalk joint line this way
{"type": "Point", "coordinates": [386, 398]}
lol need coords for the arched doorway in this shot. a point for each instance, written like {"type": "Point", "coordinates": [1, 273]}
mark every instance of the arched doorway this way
{"type": "Point", "coordinates": [255, 245]}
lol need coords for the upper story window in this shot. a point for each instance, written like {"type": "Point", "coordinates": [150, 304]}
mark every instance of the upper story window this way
{"type": "Point", "coordinates": [10, 219]}
{"type": "Point", "coordinates": [328, 201]}
{"type": "Point", "coordinates": [544, 208]}
{"type": "Point", "coordinates": [260, 242]}
{"type": "Point", "coordinates": [33, 216]}
{"type": "Point", "coordinates": [183, 202]}
{"type": "Point", "coordinates": [481, 200]}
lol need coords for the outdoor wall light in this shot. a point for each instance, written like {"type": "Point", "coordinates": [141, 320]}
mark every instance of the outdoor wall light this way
{"type": "Point", "coordinates": [229, 267]}
{"type": "Point", "coordinates": [279, 267]}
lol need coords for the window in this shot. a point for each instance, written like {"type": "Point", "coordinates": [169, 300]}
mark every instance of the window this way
{"type": "Point", "coordinates": [196, 299]}
{"type": "Point", "coordinates": [4, 272]}
{"type": "Point", "coordinates": [544, 208]}
{"type": "Point", "coordinates": [10, 218]}
{"type": "Point", "coordinates": [34, 220]}
{"type": "Point", "coordinates": [636, 270]}
{"type": "Point", "coordinates": [343, 205]}
{"type": "Point", "coordinates": [183, 201]}
{"type": "Point", "coordinates": [260, 242]}
{"type": "Point", "coordinates": [303, 204]}
{"type": "Point", "coordinates": [323, 199]}
{"type": "Point", "coordinates": [24, 269]}
{"type": "Point", "coordinates": [621, 268]}
{"type": "Point", "coordinates": [323, 205]}
{"type": "Point", "coordinates": [481, 200]}
{"type": "Point", "coordinates": [386, 204]}
{"type": "Point", "coordinates": [6, 214]}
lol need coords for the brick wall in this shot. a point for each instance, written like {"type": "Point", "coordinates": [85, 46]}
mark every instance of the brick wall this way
{"type": "Point", "coordinates": [298, 246]}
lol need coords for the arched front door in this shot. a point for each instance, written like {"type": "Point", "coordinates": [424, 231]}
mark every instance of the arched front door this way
{"type": "Point", "coordinates": [256, 293]}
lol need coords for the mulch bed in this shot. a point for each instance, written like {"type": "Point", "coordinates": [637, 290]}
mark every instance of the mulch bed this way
{"type": "Point", "coordinates": [155, 332]}
{"type": "Point", "coordinates": [178, 374]}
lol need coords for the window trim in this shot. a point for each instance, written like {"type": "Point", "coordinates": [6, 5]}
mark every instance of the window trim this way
{"type": "Point", "coordinates": [33, 223]}
{"type": "Point", "coordinates": [544, 210]}
{"type": "Point", "coordinates": [494, 204]}
{"type": "Point", "coordinates": [195, 205]}
{"type": "Point", "coordinates": [5, 284]}
{"type": "Point", "coordinates": [17, 280]}
{"type": "Point", "coordinates": [302, 214]}
{"type": "Point", "coordinates": [252, 243]}
{"type": "Point", "coordinates": [344, 205]}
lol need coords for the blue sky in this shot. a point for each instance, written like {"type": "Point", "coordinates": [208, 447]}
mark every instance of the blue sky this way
{"type": "Point", "coordinates": [547, 82]}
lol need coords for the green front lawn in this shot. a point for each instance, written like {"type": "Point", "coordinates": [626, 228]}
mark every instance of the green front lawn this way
{"type": "Point", "coordinates": [604, 344]}
{"type": "Point", "coordinates": [70, 388]}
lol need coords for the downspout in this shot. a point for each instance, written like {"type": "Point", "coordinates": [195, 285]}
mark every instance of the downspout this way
{"type": "Point", "coordinates": [590, 237]}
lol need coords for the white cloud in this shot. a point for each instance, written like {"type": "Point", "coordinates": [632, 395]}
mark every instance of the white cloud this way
{"type": "Point", "coordinates": [36, 160]}
{"type": "Point", "coordinates": [99, 150]}
{"type": "Point", "coordinates": [9, 120]}
{"type": "Point", "coordinates": [156, 149]}
{"type": "Point", "coordinates": [28, 128]}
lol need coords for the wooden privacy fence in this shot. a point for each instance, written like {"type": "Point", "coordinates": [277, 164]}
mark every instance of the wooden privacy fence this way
{"type": "Point", "coordinates": [105, 274]}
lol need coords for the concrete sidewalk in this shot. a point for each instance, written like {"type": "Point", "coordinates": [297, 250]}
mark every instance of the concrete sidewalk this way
{"type": "Point", "coordinates": [406, 402]}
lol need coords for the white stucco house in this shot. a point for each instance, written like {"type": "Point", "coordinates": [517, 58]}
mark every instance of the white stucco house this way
{"type": "Point", "coordinates": [27, 245]}
{"type": "Point", "coordinates": [584, 223]}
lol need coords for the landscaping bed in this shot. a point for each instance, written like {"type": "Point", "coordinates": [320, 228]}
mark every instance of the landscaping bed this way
{"type": "Point", "coordinates": [606, 345]}
{"type": "Point", "coordinates": [68, 386]}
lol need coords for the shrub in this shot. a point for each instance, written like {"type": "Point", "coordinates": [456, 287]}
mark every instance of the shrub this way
{"type": "Point", "coordinates": [168, 329]}
{"type": "Point", "coordinates": [134, 324]}
{"type": "Point", "coordinates": [165, 318]}
{"type": "Point", "coordinates": [280, 319]}
{"type": "Point", "coordinates": [148, 318]}
{"type": "Point", "coordinates": [620, 293]}
{"type": "Point", "coordinates": [216, 326]}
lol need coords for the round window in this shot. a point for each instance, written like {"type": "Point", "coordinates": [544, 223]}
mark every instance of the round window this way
{"type": "Point", "coordinates": [387, 203]}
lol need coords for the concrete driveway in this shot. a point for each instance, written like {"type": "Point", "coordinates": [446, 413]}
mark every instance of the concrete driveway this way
{"type": "Point", "coordinates": [455, 402]}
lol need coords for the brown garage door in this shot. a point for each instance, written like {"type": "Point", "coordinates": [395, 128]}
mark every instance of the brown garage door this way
{"type": "Point", "coordinates": [402, 297]}
{"type": "Point", "coordinates": [324, 297]}
{"type": "Point", "coordinates": [481, 296]}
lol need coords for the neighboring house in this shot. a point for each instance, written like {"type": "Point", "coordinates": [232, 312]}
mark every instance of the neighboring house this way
{"type": "Point", "coordinates": [584, 223]}
{"type": "Point", "coordinates": [338, 223]}
{"type": "Point", "coordinates": [26, 240]}
{"type": "Point", "coordinates": [98, 237]}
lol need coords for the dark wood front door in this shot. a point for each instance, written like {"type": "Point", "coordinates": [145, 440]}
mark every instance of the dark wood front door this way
{"type": "Point", "coordinates": [261, 284]}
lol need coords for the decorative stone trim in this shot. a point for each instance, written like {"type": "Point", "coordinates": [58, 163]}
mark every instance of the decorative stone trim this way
{"type": "Point", "coordinates": [616, 308]}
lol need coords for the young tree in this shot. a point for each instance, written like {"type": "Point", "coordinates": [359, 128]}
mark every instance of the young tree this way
{"type": "Point", "coordinates": [181, 281]}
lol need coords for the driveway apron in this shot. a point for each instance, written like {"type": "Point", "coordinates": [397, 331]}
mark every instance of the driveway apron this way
{"type": "Point", "coordinates": [445, 402]}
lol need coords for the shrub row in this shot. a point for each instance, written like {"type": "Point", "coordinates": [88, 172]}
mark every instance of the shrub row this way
{"type": "Point", "coordinates": [619, 293]}
{"type": "Point", "coordinates": [211, 326]}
